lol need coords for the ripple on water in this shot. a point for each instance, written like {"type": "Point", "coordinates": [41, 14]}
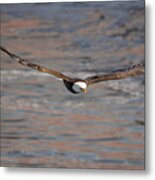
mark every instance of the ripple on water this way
{"type": "Point", "coordinates": [42, 123]}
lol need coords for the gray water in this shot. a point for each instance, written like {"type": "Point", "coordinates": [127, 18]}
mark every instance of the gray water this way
{"type": "Point", "coordinates": [42, 123]}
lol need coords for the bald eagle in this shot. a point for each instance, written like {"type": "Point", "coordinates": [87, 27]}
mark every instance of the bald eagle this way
{"type": "Point", "coordinates": [77, 85]}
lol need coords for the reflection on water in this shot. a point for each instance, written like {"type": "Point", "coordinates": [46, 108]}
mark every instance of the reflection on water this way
{"type": "Point", "coordinates": [44, 125]}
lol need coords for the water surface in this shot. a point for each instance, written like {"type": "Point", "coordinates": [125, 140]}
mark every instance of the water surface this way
{"type": "Point", "coordinates": [44, 125]}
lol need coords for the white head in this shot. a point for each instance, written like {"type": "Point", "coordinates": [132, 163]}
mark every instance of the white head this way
{"type": "Point", "coordinates": [80, 87]}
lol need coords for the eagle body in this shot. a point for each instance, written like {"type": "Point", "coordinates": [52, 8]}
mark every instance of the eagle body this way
{"type": "Point", "coordinates": [69, 86]}
{"type": "Point", "coordinates": [77, 86]}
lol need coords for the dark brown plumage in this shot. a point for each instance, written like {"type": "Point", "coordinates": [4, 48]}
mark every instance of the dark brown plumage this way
{"type": "Point", "coordinates": [131, 71]}
{"type": "Point", "coordinates": [76, 85]}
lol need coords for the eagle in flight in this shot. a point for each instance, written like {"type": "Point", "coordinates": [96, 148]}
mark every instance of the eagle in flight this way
{"type": "Point", "coordinates": [78, 85]}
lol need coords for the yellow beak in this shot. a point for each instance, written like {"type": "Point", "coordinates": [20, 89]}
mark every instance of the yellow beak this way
{"type": "Point", "coordinates": [84, 90]}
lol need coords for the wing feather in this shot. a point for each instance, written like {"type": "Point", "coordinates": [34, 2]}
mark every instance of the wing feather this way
{"type": "Point", "coordinates": [131, 71]}
{"type": "Point", "coordinates": [43, 69]}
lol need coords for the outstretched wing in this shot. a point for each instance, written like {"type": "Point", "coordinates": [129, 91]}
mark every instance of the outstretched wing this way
{"type": "Point", "coordinates": [131, 71]}
{"type": "Point", "coordinates": [35, 66]}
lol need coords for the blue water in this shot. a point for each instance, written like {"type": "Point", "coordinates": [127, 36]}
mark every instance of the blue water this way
{"type": "Point", "coordinates": [44, 125]}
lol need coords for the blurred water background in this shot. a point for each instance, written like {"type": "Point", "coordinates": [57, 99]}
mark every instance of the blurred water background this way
{"type": "Point", "coordinates": [42, 123]}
